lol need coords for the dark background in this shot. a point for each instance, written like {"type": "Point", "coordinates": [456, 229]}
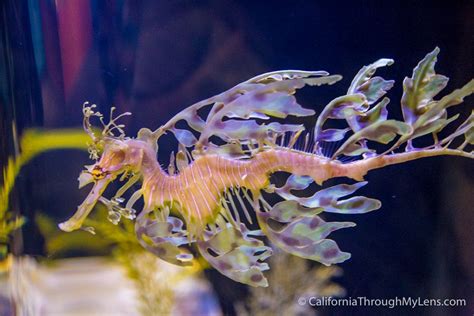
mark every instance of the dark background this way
{"type": "Point", "coordinates": [154, 58]}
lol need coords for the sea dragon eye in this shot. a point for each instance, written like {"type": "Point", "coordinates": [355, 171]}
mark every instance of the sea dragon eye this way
{"type": "Point", "coordinates": [98, 173]}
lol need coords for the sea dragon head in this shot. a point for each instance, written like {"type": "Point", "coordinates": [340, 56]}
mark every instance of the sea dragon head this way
{"type": "Point", "coordinates": [115, 155]}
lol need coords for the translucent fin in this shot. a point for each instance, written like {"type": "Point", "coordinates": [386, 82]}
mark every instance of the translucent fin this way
{"type": "Point", "coordinates": [243, 206]}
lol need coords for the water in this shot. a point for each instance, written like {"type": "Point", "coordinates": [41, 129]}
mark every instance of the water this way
{"type": "Point", "coordinates": [154, 59]}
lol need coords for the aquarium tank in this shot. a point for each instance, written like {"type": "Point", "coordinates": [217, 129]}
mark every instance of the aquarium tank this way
{"type": "Point", "coordinates": [214, 158]}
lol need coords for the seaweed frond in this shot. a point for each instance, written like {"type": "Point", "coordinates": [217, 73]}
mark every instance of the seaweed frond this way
{"type": "Point", "coordinates": [32, 143]}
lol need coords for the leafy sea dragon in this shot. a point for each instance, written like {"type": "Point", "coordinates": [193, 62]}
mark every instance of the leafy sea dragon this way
{"type": "Point", "coordinates": [226, 156]}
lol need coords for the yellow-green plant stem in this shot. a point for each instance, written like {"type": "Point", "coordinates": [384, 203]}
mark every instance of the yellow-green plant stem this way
{"type": "Point", "coordinates": [32, 143]}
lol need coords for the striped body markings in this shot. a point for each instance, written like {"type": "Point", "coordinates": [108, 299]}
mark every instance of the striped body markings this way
{"type": "Point", "coordinates": [199, 194]}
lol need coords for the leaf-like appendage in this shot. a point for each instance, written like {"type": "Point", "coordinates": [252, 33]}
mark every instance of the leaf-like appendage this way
{"type": "Point", "coordinates": [372, 88]}
{"type": "Point", "coordinates": [269, 100]}
{"type": "Point", "coordinates": [163, 238]}
{"type": "Point", "coordinates": [287, 211]}
{"type": "Point", "coordinates": [287, 75]}
{"type": "Point", "coordinates": [328, 199]}
{"type": "Point", "coordinates": [436, 109]}
{"type": "Point", "coordinates": [355, 108]}
{"type": "Point", "coordinates": [375, 88]}
{"type": "Point", "coordinates": [332, 134]}
{"type": "Point", "coordinates": [339, 108]}
{"type": "Point", "coordinates": [191, 116]}
{"type": "Point", "coordinates": [185, 137]}
{"type": "Point", "coordinates": [376, 114]}
{"type": "Point", "coordinates": [342, 107]}
{"type": "Point", "coordinates": [249, 129]}
{"type": "Point", "coordinates": [231, 150]}
{"type": "Point", "coordinates": [304, 235]}
{"type": "Point", "coordinates": [422, 87]}
{"type": "Point", "coordinates": [271, 95]}
{"type": "Point", "coordinates": [181, 160]}
{"type": "Point", "coordinates": [295, 182]}
{"type": "Point", "coordinates": [264, 96]}
{"type": "Point", "coordinates": [469, 135]}
{"type": "Point", "coordinates": [235, 254]}
{"type": "Point", "coordinates": [434, 126]}
{"type": "Point", "coordinates": [249, 115]}
{"type": "Point", "coordinates": [466, 129]}
{"type": "Point", "coordinates": [382, 132]}
{"type": "Point", "coordinates": [276, 104]}
{"type": "Point", "coordinates": [294, 226]}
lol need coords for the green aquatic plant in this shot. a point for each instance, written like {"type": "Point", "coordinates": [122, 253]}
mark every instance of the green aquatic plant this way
{"type": "Point", "coordinates": [227, 154]}
{"type": "Point", "coordinates": [154, 284]}
{"type": "Point", "coordinates": [32, 143]}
